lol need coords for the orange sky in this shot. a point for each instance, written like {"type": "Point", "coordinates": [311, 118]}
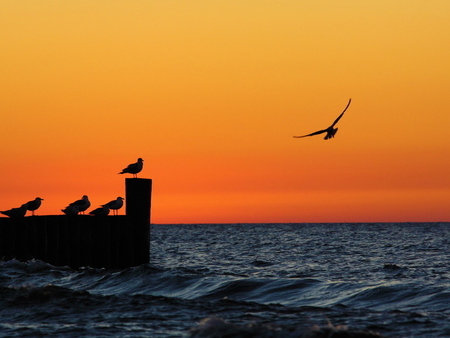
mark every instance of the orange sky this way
{"type": "Point", "coordinates": [210, 93]}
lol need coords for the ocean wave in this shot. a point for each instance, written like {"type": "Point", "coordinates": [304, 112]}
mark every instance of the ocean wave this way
{"type": "Point", "coordinates": [214, 327]}
{"type": "Point", "coordinates": [386, 278]}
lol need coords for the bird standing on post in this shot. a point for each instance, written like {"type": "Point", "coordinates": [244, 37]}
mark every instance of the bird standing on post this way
{"type": "Point", "coordinates": [134, 168]}
{"type": "Point", "coordinates": [115, 205]}
{"type": "Point", "coordinates": [16, 212]}
{"type": "Point", "coordinates": [71, 210]}
{"type": "Point", "coordinates": [330, 130]}
{"type": "Point", "coordinates": [102, 211]}
{"type": "Point", "coordinates": [34, 204]}
{"type": "Point", "coordinates": [82, 204]}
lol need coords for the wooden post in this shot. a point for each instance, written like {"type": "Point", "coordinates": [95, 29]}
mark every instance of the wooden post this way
{"type": "Point", "coordinates": [110, 242]}
{"type": "Point", "coordinates": [7, 239]}
{"type": "Point", "coordinates": [138, 193]}
{"type": "Point", "coordinates": [41, 238]}
{"type": "Point", "coordinates": [21, 240]}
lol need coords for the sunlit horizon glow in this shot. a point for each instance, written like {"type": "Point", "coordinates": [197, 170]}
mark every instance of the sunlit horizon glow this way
{"type": "Point", "coordinates": [209, 94]}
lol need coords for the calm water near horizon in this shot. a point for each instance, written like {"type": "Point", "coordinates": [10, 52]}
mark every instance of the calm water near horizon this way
{"type": "Point", "coordinates": [269, 280]}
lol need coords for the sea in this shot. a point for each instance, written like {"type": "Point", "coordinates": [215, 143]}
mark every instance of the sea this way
{"type": "Point", "coordinates": [245, 280]}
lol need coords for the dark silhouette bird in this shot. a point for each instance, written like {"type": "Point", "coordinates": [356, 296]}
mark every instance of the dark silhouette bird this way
{"type": "Point", "coordinates": [134, 168]}
{"type": "Point", "coordinates": [82, 204]}
{"type": "Point", "coordinates": [102, 211]}
{"type": "Point", "coordinates": [34, 204]}
{"type": "Point", "coordinates": [71, 210]}
{"type": "Point", "coordinates": [115, 205]}
{"type": "Point", "coordinates": [330, 130]}
{"type": "Point", "coordinates": [16, 212]}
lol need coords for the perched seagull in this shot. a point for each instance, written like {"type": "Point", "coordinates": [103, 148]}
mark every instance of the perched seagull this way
{"type": "Point", "coordinates": [16, 212]}
{"type": "Point", "coordinates": [82, 204]}
{"type": "Point", "coordinates": [330, 130]}
{"type": "Point", "coordinates": [71, 210]}
{"type": "Point", "coordinates": [103, 211]}
{"type": "Point", "coordinates": [115, 205]}
{"type": "Point", "coordinates": [134, 168]}
{"type": "Point", "coordinates": [34, 205]}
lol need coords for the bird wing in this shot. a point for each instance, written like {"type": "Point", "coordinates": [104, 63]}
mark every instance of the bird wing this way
{"type": "Point", "coordinates": [130, 168]}
{"type": "Point", "coordinates": [77, 203]}
{"type": "Point", "coordinates": [339, 117]}
{"type": "Point", "coordinates": [312, 134]}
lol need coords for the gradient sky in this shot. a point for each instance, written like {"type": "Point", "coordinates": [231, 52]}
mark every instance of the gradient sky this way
{"type": "Point", "coordinates": [210, 93]}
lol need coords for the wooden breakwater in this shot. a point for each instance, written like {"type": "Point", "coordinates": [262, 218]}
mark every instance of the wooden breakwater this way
{"type": "Point", "coordinates": [111, 242]}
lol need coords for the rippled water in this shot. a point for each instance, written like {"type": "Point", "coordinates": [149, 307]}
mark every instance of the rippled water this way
{"type": "Point", "coordinates": [276, 280]}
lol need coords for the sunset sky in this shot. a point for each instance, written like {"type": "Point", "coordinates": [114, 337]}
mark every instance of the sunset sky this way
{"type": "Point", "coordinates": [210, 94]}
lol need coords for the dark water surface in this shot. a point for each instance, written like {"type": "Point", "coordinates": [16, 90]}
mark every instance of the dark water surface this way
{"type": "Point", "coordinates": [258, 280]}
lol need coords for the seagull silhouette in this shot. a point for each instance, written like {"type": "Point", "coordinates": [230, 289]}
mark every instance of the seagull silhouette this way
{"type": "Point", "coordinates": [115, 205]}
{"type": "Point", "coordinates": [34, 204]}
{"type": "Point", "coordinates": [71, 210]}
{"type": "Point", "coordinates": [134, 168]}
{"type": "Point", "coordinates": [16, 212]}
{"type": "Point", "coordinates": [82, 204]}
{"type": "Point", "coordinates": [103, 211]}
{"type": "Point", "coordinates": [330, 130]}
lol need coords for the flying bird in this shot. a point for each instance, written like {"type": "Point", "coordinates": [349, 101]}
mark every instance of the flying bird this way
{"type": "Point", "coordinates": [82, 204]}
{"type": "Point", "coordinates": [102, 211]}
{"type": "Point", "coordinates": [331, 131]}
{"type": "Point", "coordinates": [115, 205]}
{"type": "Point", "coordinates": [134, 168]}
{"type": "Point", "coordinates": [16, 212]}
{"type": "Point", "coordinates": [34, 204]}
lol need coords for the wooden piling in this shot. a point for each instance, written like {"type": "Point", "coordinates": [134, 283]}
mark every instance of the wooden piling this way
{"type": "Point", "coordinates": [111, 242]}
{"type": "Point", "coordinates": [138, 193]}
